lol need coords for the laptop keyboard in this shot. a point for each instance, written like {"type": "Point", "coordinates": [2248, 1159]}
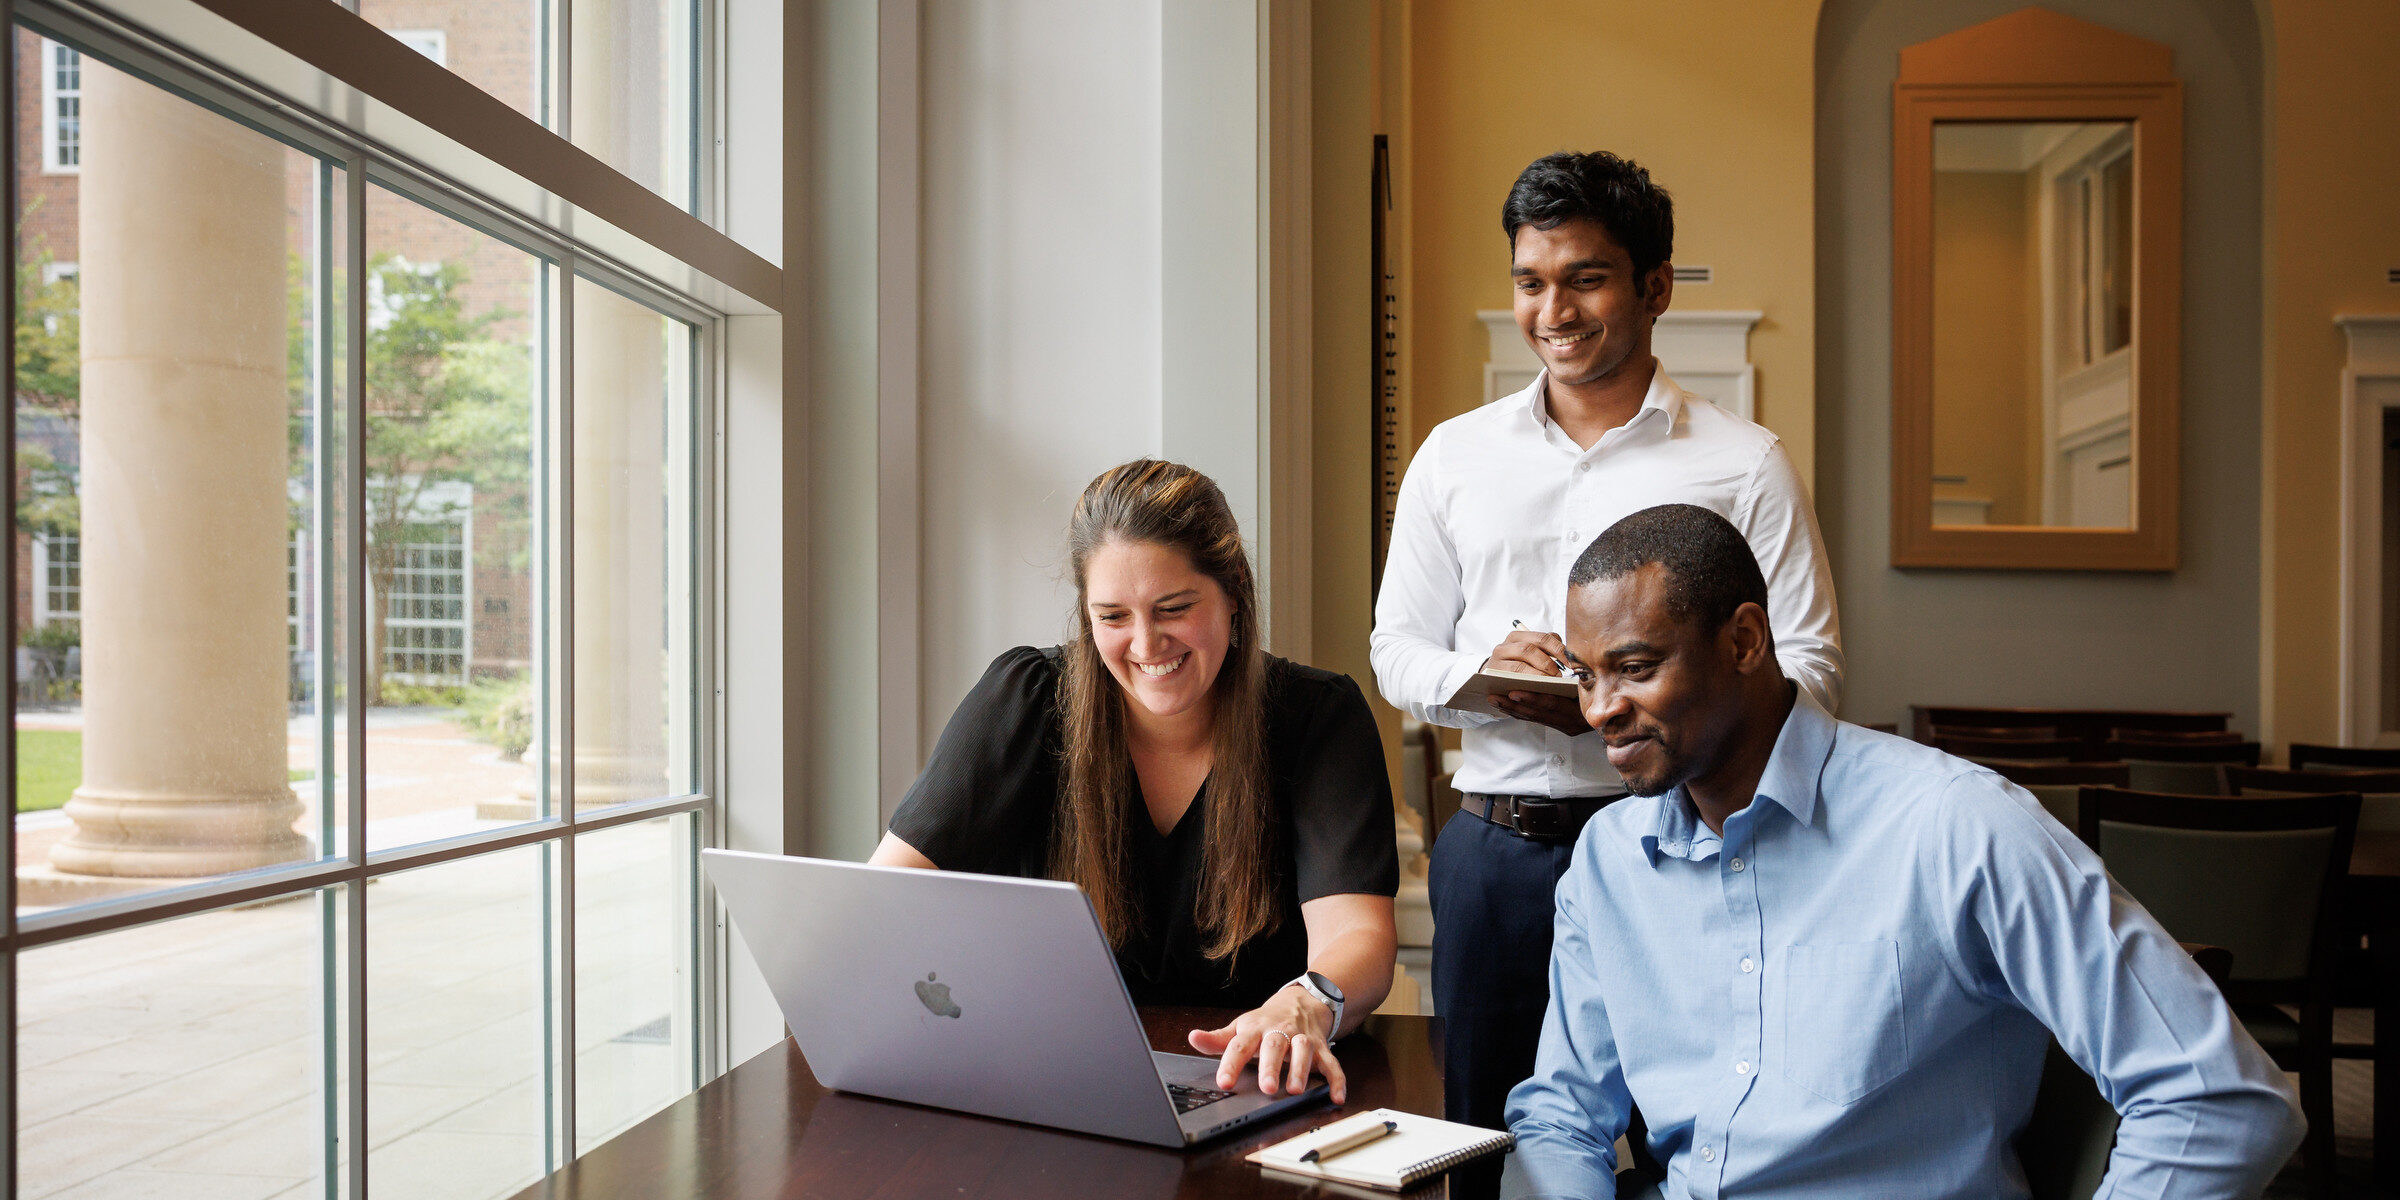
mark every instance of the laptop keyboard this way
{"type": "Point", "coordinates": [1188, 1098]}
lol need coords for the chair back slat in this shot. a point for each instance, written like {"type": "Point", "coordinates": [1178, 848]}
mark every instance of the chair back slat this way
{"type": "Point", "coordinates": [2379, 791]}
{"type": "Point", "coordinates": [2047, 749]}
{"type": "Point", "coordinates": [2241, 753]}
{"type": "Point", "coordinates": [2307, 756]}
{"type": "Point", "coordinates": [2088, 724]}
{"type": "Point", "coordinates": [1997, 733]}
{"type": "Point", "coordinates": [2176, 737]}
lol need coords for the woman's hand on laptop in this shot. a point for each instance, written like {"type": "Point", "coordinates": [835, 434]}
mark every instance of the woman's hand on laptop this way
{"type": "Point", "coordinates": [1290, 1036]}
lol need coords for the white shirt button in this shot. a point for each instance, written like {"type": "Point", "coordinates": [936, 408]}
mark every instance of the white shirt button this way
{"type": "Point", "coordinates": [1736, 865]}
{"type": "Point", "coordinates": [1742, 1067]}
{"type": "Point", "coordinates": [1583, 466]}
{"type": "Point", "coordinates": [1558, 760]}
{"type": "Point", "coordinates": [1748, 966]}
{"type": "Point", "coordinates": [1708, 1154]}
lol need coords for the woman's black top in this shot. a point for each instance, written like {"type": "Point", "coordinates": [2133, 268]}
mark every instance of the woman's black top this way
{"type": "Point", "coordinates": [986, 800]}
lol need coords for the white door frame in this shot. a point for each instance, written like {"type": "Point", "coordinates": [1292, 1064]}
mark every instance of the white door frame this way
{"type": "Point", "coordinates": [2370, 386]}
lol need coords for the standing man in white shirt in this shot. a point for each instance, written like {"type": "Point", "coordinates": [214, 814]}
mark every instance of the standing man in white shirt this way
{"type": "Point", "coordinates": [1495, 507]}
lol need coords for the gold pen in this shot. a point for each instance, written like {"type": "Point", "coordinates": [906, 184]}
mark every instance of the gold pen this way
{"type": "Point", "coordinates": [1350, 1142]}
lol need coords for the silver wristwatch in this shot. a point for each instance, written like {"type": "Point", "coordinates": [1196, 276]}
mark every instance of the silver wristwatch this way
{"type": "Point", "coordinates": [1326, 991]}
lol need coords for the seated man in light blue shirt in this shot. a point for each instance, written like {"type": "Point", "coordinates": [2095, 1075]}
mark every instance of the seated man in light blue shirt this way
{"type": "Point", "coordinates": [1826, 962]}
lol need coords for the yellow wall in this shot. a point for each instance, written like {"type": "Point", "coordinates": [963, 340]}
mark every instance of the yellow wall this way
{"type": "Point", "coordinates": [1982, 378]}
{"type": "Point", "coordinates": [2333, 178]}
{"type": "Point", "coordinates": [1715, 97]}
{"type": "Point", "coordinates": [1344, 117]}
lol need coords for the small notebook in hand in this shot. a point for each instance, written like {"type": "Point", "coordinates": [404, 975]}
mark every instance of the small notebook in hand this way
{"type": "Point", "coordinates": [1420, 1148]}
{"type": "Point", "coordinates": [1475, 694]}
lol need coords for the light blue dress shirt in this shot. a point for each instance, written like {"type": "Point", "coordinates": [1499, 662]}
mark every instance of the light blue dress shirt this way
{"type": "Point", "coordinates": [1850, 993]}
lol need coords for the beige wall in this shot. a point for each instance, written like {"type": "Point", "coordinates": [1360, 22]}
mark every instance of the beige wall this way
{"type": "Point", "coordinates": [2333, 180]}
{"type": "Point", "coordinates": [1983, 381]}
{"type": "Point", "coordinates": [1344, 106]}
{"type": "Point", "coordinates": [1713, 96]}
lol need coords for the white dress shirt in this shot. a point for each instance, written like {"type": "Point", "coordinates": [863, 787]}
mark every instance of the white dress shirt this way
{"type": "Point", "coordinates": [1497, 506]}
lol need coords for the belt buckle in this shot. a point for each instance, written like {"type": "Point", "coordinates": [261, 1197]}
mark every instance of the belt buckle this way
{"type": "Point", "coordinates": [1517, 825]}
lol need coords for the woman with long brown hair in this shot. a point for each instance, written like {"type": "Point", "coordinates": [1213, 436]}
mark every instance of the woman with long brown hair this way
{"type": "Point", "coordinates": [1226, 811]}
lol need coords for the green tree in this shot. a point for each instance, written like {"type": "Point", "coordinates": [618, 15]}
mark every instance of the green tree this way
{"type": "Point", "coordinates": [49, 364]}
{"type": "Point", "coordinates": [447, 402]}
{"type": "Point", "coordinates": [49, 333]}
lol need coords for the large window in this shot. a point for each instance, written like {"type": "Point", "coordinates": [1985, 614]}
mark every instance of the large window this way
{"type": "Point", "coordinates": [631, 99]}
{"type": "Point", "coordinates": [360, 725]}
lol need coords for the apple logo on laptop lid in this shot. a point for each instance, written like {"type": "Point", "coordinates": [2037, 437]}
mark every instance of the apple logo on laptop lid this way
{"type": "Point", "coordinates": [936, 997]}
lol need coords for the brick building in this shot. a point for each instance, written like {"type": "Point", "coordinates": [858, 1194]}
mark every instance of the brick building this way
{"type": "Point", "coordinates": [458, 604]}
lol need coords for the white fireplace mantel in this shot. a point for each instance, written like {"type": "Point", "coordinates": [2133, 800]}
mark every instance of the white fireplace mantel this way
{"type": "Point", "coordinates": [1707, 351]}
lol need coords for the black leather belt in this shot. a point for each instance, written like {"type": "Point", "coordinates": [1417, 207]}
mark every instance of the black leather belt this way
{"type": "Point", "coordinates": [1536, 818]}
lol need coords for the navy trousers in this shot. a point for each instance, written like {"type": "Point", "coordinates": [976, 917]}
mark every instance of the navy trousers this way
{"type": "Point", "coordinates": [1491, 893]}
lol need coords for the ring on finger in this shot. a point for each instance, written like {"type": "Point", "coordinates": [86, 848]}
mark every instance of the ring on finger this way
{"type": "Point", "coordinates": [1277, 1033]}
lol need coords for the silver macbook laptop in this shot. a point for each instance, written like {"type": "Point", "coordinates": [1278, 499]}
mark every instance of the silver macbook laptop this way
{"type": "Point", "coordinates": [980, 993]}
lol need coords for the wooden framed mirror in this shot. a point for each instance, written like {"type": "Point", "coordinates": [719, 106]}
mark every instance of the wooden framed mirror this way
{"type": "Point", "coordinates": [2037, 195]}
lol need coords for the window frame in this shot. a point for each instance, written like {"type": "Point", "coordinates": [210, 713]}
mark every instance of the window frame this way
{"type": "Point", "coordinates": [363, 161]}
{"type": "Point", "coordinates": [53, 145]}
{"type": "Point", "coordinates": [45, 561]}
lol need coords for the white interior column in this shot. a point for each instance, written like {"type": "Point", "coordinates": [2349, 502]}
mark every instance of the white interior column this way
{"type": "Point", "coordinates": [185, 512]}
{"type": "Point", "coordinates": [620, 550]}
{"type": "Point", "coordinates": [619, 452]}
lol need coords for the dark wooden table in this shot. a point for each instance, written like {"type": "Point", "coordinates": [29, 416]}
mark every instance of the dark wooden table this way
{"type": "Point", "coordinates": [768, 1129]}
{"type": "Point", "coordinates": [2373, 893]}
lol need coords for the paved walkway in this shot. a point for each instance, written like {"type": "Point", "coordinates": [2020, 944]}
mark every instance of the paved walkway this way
{"type": "Point", "coordinates": [424, 778]}
{"type": "Point", "coordinates": [189, 1059]}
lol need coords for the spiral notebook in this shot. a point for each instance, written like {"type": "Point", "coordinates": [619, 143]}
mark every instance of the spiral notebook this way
{"type": "Point", "coordinates": [1422, 1147]}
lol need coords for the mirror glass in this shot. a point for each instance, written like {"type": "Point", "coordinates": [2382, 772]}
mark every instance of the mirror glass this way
{"type": "Point", "coordinates": [2033, 324]}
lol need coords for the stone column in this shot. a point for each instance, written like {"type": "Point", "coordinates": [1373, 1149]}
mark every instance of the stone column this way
{"type": "Point", "coordinates": [620, 550]}
{"type": "Point", "coordinates": [620, 452]}
{"type": "Point", "coordinates": [184, 505]}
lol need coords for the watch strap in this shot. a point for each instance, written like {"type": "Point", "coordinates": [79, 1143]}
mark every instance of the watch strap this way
{"type": "Point", "coordinates": [1308, 983]}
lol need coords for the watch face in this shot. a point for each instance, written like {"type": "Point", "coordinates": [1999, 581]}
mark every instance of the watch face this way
{"type": "Point", "coordinates": [1325, 985]}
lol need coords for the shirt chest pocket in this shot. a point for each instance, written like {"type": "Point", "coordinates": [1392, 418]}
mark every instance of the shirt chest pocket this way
{"type": "Point", "coordinates": [1845, 1026]}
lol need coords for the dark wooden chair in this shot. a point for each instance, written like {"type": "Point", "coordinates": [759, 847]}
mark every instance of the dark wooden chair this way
{"type": "Point", "coordinates": [2306, 756]}
{"type": "Point", "coordinates": [2056, 784]}
{"type": "Point", "coordinates": [2354, 981]}
{"type": "Point", "coordinates": [2257, 877]}
{"type": "Point", "coordinates": [2183, 768]}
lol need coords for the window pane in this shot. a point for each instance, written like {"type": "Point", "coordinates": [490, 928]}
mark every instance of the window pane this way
{"type": "Point", "coordinates": [187, 1058]}
{"type": "Point", "coordinates": [633, 562]}
{"type": "Point", "coordinates": [173, 301]}
{"type": "Point", "coordinates": [457, 996]}
{"type": "Point", "coordinates": [497, 45]}
{"type": "Point", "coordinates": [633, 88]}
{"type": "Point", "coordinates": [455, 354]}
{"type": "Point", "coordinates": [635, 1037]}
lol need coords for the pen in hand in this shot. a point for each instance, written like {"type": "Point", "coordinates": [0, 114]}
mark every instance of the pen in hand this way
{"type": "Point", "coordinates": [1563, 668]}
{"type": "Point", "coordinates": [1349, 1142]}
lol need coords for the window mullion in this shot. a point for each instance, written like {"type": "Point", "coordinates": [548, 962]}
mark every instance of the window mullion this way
{"type": "Point", "coordinates": [8, 679]}
{"type": "Point", "coordinates": [564, 525]}
{"type": "Point", "coordinates": [354, 710]}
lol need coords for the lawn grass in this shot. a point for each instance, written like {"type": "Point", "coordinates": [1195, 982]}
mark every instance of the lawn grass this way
{"type": "Point", "coordinates": [49, 765]}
